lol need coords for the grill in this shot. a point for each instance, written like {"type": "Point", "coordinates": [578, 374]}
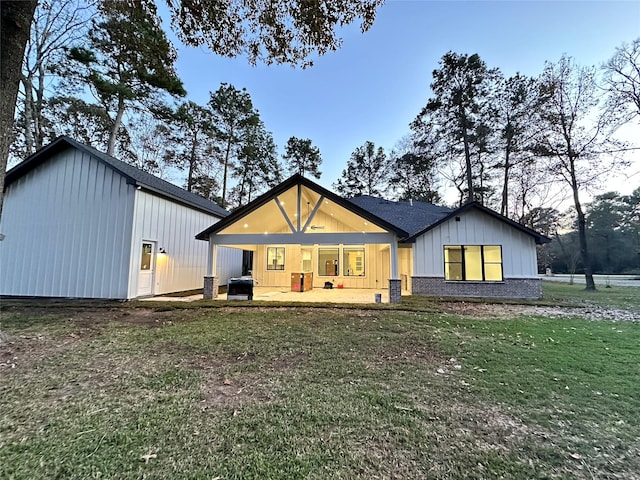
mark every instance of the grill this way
{"type": "Point", "coordinates": [240, 288]}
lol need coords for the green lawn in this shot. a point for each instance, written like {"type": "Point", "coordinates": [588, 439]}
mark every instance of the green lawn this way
{"type": "Point", "coordinates": [113, 391]}
{"type": "Point", "coordinates": [621, 297]}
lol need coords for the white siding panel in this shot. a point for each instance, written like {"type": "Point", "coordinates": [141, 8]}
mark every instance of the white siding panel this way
{"type": "Point", "coordinates": [67, 227]}
{"type": "Point", "coordinates": [476, 228]}
{"type": "Point", "coordinates": [173, 227]}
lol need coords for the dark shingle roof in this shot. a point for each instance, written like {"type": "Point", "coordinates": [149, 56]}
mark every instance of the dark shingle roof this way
{"type": "Point", "coordinates": [134, 175]}
{"type": "Point", "coordinates": [418, 218]}
{"type": "Point", "coordinates": [410, 216]}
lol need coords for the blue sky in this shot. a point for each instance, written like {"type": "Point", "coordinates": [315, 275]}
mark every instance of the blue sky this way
{"type": "Point", "coordinates": [375, 85]}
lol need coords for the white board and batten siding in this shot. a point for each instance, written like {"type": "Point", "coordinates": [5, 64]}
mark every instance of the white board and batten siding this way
{"type": "Point", "coordinates": [172, 227]}
{"type": "Point", "coordinates": [67, 227]}
{"type": "Point", "coordinates": [476, 228]}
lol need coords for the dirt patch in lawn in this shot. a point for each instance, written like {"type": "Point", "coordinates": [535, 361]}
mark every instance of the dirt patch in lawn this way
{"type": "Point", "coordinates": [493, 310]}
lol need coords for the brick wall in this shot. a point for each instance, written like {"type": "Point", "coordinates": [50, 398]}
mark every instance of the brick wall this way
{"type": "Point", "coordinates": [210, 288]}
{"type": "Point", "coordinates": [509, 288]}
{"type": "Point", "coordinates": [395, 290]}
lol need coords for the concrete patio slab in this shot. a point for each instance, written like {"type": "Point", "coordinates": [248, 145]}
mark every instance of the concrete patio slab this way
{"type": "Point", "coordinates": [317, 295]}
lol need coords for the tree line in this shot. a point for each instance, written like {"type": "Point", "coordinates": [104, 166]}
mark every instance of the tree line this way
{"type": "Point", "coordinates": [104, 73]}
{"type": "Point", "coordinates": [513, 143]}
{"type": "Point", "coordinates": [117, 54]}
{"type": "Point", "coordinates": [613, 234]}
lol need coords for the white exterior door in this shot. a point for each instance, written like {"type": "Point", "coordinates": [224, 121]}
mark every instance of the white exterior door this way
{"type": "Point", "coordinates": [147, 269]}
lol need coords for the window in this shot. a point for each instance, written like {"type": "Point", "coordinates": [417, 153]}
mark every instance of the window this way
{"type": "Point", "coordinates": [353, 261]}
{"type": "Point", "coordinates": [473, 263]}
{"type": "Point", "coordinates": [147, 252]}
{"type": "Point", "coordinates": [328, 262]}
{"type": "Point", "coordinates": [275, 258]}
{"type": "Point", "coordinates": [307, 260]}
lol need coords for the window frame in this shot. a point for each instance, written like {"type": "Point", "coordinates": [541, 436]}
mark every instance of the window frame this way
{"type": "Point", "coordinates": [275, 266]}
{"type": "Point", "coordinates": [483, 263]}
{"type": "Point", "coordinates": [322, 270]}
{"type": "Point", "coordinates": [354, 248]}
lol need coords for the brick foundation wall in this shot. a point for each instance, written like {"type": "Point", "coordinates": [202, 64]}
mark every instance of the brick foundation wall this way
{"type": "Point", "coordinates": [395, 290]}
{"type": "Point", "coordinates": [210, 288]}
{"type": "Point", "coordinates": [509, 288]}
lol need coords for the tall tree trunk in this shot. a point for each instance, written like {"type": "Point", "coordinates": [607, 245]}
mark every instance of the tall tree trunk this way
{"type": "Point", "coordinates": [224, 174]}
{"type": "Point", "coordinates": [467, 155]}
{"type": "Point", "coordinates": [29, 115]}
{"type": "Point", "coordinates": [15, 26]}
{"type": "Point", "coordinates": [467, 161]}
{"type": "Point", "coordinates": [111, 147]}
{"type": "Point", "coordinates": [192, 163]}
{"type": "Point", "coordinates": [582, 232]}
{"type": "Point", "coordinates": [38, 117]}
{"type": "Point", "coordinates": [504, 207]}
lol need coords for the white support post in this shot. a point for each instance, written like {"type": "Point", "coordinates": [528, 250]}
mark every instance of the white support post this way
{"type": "Point", "coordinates": [213, 249]}
{"type": "Point", "coordinates": [394, 259]}
{"type": "Point", "coordinates": [211, 274]}
{"type": "Point", "coordinates": [395, 284]}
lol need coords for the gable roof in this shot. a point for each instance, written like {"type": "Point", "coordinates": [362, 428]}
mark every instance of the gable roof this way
{"type": "Point", "coordinates": [539, 238]}
{"type": "Point", "coordinates": [286, 185]}
{"type": "Point", "coordinates": [134, 175]}
{"type": "Point", "coordinates": [411, 216]}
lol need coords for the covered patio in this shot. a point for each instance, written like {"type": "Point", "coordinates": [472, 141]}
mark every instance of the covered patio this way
{"type": "Point", "coordinates": [301, 229]}
{"type": "Point", "coordinates": [317, 295]}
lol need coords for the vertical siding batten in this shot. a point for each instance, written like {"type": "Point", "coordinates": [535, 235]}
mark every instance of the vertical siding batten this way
{"type": "Point", "coordinates": [477, 228]}
{"type": "Point", "coordinates": [174, 226]}
{"type": "Point", "coordinates": [55, 230]}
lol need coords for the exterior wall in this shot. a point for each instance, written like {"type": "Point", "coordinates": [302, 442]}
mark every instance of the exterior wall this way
{"type": "Point", "coordinates": [405, 267]}
{"type": "Point", "coordinates": [510, 288]}
{"type": "Point", "coordinates": [377, 268]}
{"type": "Point", "coordinates": [173, 227]}
{"type": "Point", "coordinates": [519, 266]}
{"type": "Point", "coordinates": [476, 228]}
{"type": "Point", "coordinates": [67, 226]}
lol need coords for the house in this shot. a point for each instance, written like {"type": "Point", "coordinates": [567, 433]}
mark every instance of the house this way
{"type": "Point", "coordinates": [77, 223]}
{"type": "Point", "coordinates": [366, 242]}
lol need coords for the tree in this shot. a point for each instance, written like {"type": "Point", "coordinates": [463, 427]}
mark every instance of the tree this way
{"type": "Point", "coordinates": [15, 24]}
{"type": "Point", "coordinates": [146, 144]}
{"type": "Point", "coordinates": [459, 114]}
{"type": "Point", "coordinates": [232, 115]}
{"type": "Point", "coordinates": [128, 61]}
{"type": "Point", "coordinates": [578, 150]}
{"type": "Point", "coordinates": [604, 220]}
{"type": "Point", "coordinates": [190, 142]}
{"type": "Point", "coordinates": [257, 165]}
{"type": "Point", "coordinates": [414, 174]}
{"type": "Point", "coordinates": [622, 79]}
{"type": "Point", "coordinates": [302, 157]}
{"type": "Point", "coordinates": [271, 32]}
{"type": "Point", "coordinates": [86, 122]}
{"type": "Point", "coordinates": [56, 26]}
{"type": "Point", "coordinates": [546, 221]}
{"type": "Point", "coordinates": [280, 32]}
{"type": "Point", "coordinates": [516, 102]}
{"type": "Point", "coordinates": [367, 172]}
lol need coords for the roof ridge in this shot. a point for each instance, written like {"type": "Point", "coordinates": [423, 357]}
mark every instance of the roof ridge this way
{"type": "Point", "coordinates": [136, 176]}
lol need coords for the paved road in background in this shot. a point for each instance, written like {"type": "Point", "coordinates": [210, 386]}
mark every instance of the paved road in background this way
{"type": "Point", "coordinates": [601, 280]}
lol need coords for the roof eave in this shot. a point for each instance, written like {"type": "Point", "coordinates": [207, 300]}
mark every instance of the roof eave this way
{"type": "Point", "coordinates": [539, 238]}
{"type": "Point", "coordinates": [63, 142]}
{"type": "Point", "coordinates": [284, 186]}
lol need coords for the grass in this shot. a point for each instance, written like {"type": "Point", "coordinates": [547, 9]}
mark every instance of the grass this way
{"type": "Point", "coordinates": [288, 393]}
{"type": "Point", "coordinates": [617, 297]}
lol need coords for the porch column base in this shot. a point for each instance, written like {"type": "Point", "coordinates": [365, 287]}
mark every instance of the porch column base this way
{"type": "Point", "coordinates": [395, 290]}
{"type": "Point", "coordinates": [210, 288]}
